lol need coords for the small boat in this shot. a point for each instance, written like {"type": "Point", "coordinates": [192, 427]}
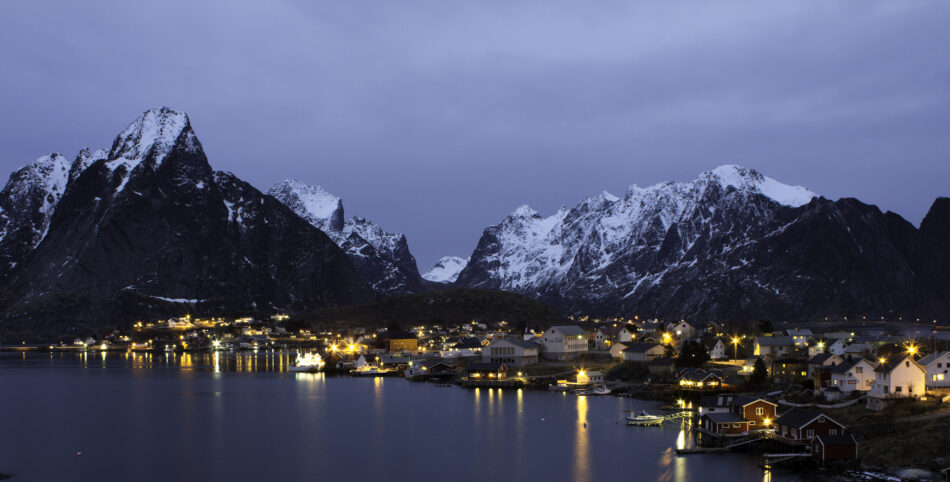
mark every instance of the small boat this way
{"type": "Point", "coordinates": [600, 390]}
{"type": "Point", "coordinates": [372, 371]}
{"type": "Point", "coordinates": [308, 363]}
{"type": "Point", "coordinates": [413, 372]}
{"type": "Point", "coordinates": [583, 391]}
{"type": "Point", "coordinates": [643, 418]}
{"type": "Point", "coordinates": [558, 387]}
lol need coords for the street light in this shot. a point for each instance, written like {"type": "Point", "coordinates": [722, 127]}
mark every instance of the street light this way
{"type": "Point", "coordinates": [735, 346]}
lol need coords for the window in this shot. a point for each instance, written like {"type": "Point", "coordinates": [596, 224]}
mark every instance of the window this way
{"type": "Point", "coordinates": [821, 419]}
{"type": "Point", "coordinates": [907, 364]}
{"type": "Point", "coordinates": [833, 431]}
{"type": "Point", "coordinates": [810, 433]}
{"type": "Point", "coordinates": [735, 425]}
{"type": "Point", "coordinates": [859, 370]}
{"type": "Point", "coordinates": [898, 389]}
{"type": "Point", "coordinates": [752, 422]}
{"type": "Point", "coordinates": [759, 411]}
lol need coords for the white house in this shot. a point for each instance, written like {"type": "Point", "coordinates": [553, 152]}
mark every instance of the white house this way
{"type": "Point", "coordinates": [897, 378]}
{"type": "Point", "coordinates": [683, 331]}
{"type": "Point", "coordinates": [938, 369]}
{"type": "Point", "coordinates": [616, 350]}
{"type": "Point", "coordinates": [511, 352]}
{"type": "Point", "coordinates": [837, 348]}
{"type": "Point", "coordinates": [718, 350]}
{"type": "Point", "coordinates": [857, 374]}
{"type": "Point", "coordinates": [563, 342]}
{"type": "Point", "coordinates": [626, 335]}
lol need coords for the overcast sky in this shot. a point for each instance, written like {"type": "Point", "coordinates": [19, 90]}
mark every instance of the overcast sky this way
{"type": "Point", "coordinates": [438, 118]}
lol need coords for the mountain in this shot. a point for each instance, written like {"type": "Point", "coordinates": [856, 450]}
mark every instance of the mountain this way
{"type": "Point", "coordinates": [382, 259]}
{"type": "Point", "coordinates": [147, 228]}
{"type": "Point", "coordinates": [446, 270]}
{"type": "Point", "coordinates": [731, 244]}
{"type": "Point", "coordinates": [27, 203]}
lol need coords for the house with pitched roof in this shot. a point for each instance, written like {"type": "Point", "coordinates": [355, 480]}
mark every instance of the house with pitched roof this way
{"type": "Point", "coordinates": [774, 347]}
{"type": "Point", "coordinates": [759, 412]}
{"type": "Point", "coordinates": [563, 342]}
{"type": "Point", "coordinates": [896, 378]}
{"type": "Point", "coordinates": [643, 352]}
{"type": "Point", "coordinates": [854, 375]}
{"type": "Point", "coordinates": [834, 448]}
{"type": "Point", "coordinates": [938, 369]}
{"type": "Point", "coordinates": [801, 425]}
{"type": "Point", "coordinates": [513, 352]}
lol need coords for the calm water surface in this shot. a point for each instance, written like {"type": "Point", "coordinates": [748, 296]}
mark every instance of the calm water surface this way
{"type": "Point", "coordinates": [243, 417]}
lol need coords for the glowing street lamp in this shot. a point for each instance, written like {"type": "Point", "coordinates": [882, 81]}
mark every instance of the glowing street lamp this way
{"type": "Point", "coordinates": [735, 348]}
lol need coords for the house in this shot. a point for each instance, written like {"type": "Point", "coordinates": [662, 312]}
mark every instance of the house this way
{"type": "Point", "coordinates": [605, 336]}
{"type": "Point", "coordinates": [837, 348]}
{"type": "Point", "coordinates": [617, 348]}
{"type": "Point", "coordinates": [511, 351]}
{"type": "Point", "coordinates": [403, 341]}
{"type": "Point", "coordinates": [938, 369]}
{"type": "Point", "coordinates": [822, 360]}
{"type": "Point", "coordinates": [563, 342]}
{"type": "Point", "coordinates": [774, 346]}
{"type": "Point", "coordinates": [724, 424]}
{"type": "Point", "coordinates": [468, 346]}
{"type": "Point", "coordinates": [759, 412]}
{"type": "Point", "coordinates": [833, 448]}
{"type": "Point", "coordinates": [716, 349]}
{"type": "Point", "coordinates": [698, 378]}
{"type": "Point", "coordinates": [800, 336]}
{"type": "Point", "coordinates": [897, 378]}
{"type": "Point", "coordinates": [594, 377]}
{"type": "Point", "coordinates": [490, 371]}
{"type": "Point", "coordinates": [626, 334]}
{"type": "Point", "coordinates": [437, 367]}
{"type": "Point", "coordinates": [799, 425]}
{"type": "Point", "coordinates": [662, 367]}
{"type": "Point", "coordinates": [854, 375]}
{"type": "Point", "coordinates": [683, 331]}
{"type": "Point", "coordinates": [643, 352]}
{"type": "Point", "coordinates": [790, 368]}
{"type": "Point", "coordinates": [715, 404]}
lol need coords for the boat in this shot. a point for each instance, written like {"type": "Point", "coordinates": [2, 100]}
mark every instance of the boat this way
{"type": "Point", "coordinates": [600, 390]}
{"type": "Point", "coordinates": [413, 372]}
{"type": "Point", "coordinates": [560, 386]}
{"type": "Point", "coordinates": [372, 371]}
{"type": "Point", "coordinates": [583, 391]}
{"type": "Point", "coordinates": [643, 418]}
{"type": "Point", "coordinates": [308, 363]}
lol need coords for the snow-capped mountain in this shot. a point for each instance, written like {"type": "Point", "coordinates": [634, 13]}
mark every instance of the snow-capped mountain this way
{"type": "Point", "coordinates": [149, 221]}
{"type": "Point", "coordinates": [27, 203]}
{"type": "Point", "coordinates": [446, 269]}
{"type": "Point", "coordinates": [382, 259]}
{"type": "Point", "coordinates": [731, 243]}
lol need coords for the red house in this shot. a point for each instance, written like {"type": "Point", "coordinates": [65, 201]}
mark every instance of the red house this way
{"type": "Point", "coordinates": [831, 448]}
{"type": "Point", "coordinates": [804, 425]}
{"type": "Point", "coordinates": [759, 412]}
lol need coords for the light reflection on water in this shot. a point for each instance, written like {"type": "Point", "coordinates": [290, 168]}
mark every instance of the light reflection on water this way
{"type": "Point", "coordinates": [274, 425]}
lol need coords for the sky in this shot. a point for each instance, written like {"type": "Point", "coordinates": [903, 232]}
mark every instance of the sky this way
{"type": "Point", "coordinates": [437, 119]}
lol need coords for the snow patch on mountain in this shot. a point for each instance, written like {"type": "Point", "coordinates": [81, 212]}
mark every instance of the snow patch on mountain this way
{"type": "Point", "coordinates": [446, 269]}
{"type": "Point", "coordinates": [748, 179]}
{"type": "Point", "coordinates": [31, 195]}
{"type": "Point", "coordinates": [152, 136]}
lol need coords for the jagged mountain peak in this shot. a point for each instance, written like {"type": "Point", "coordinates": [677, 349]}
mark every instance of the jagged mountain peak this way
{"type": "Point", "coordinates": [155, 133]}
{"type": "Point", "coordinates": [313, 203]}
{"type": "Point", "coordinates": [381, 258]}
{"type": "Point", "coordinates": [446, 269]}
{"type": "Point", "coordinates": [524, 211]}
{"type": "Point", "coordinates": [730, 175]}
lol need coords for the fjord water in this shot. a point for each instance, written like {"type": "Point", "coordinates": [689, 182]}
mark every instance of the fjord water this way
{"type": "Point", "coordinates": [164, 417]}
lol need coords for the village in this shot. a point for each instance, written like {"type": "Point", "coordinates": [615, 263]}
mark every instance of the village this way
{"type": "Point", "coordinates": [842, 398]}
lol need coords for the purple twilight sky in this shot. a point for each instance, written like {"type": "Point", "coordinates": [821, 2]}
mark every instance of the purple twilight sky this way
{"type": "Point", "coordinates": [437, 119]}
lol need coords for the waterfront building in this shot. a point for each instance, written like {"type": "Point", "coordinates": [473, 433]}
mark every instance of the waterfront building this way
{"type": "Point", "coordinates": [487, 371]}
{"type": "Point", "coordinates": [799, 425]}
{"type": "Point", "coordinates": [832, 448]}
{"type": "Point", "coordinates": [900, 377]}
{"type": "Point", "coordinates": [698, 378]}
{"type": "Point", "coordinates": [724, 424]}
{"type": "Point", "coordinates": [938, 369]}
{"type": "Point", "coordinates": [715, 404]}
{"type": "Point", "coordinates": [617, 348]}
{"type": "Point", "coordinates": [759, 412]}
{"type": "Point", "coordinates": [564, 342]}
{"type": "Point", "coordinates": [511, 351]}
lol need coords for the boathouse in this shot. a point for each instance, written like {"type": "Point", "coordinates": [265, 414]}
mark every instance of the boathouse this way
{"type": "Point", "coordinates": [487, 371]}
{"type": "Point", "coordinates": [833, 448]}
{"type": "Point", "coordinates": [800, 425]}
{"type": "Point", "coordinates": [758, 411]}
{"type": "Point", "coordinates": [724, 424]}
